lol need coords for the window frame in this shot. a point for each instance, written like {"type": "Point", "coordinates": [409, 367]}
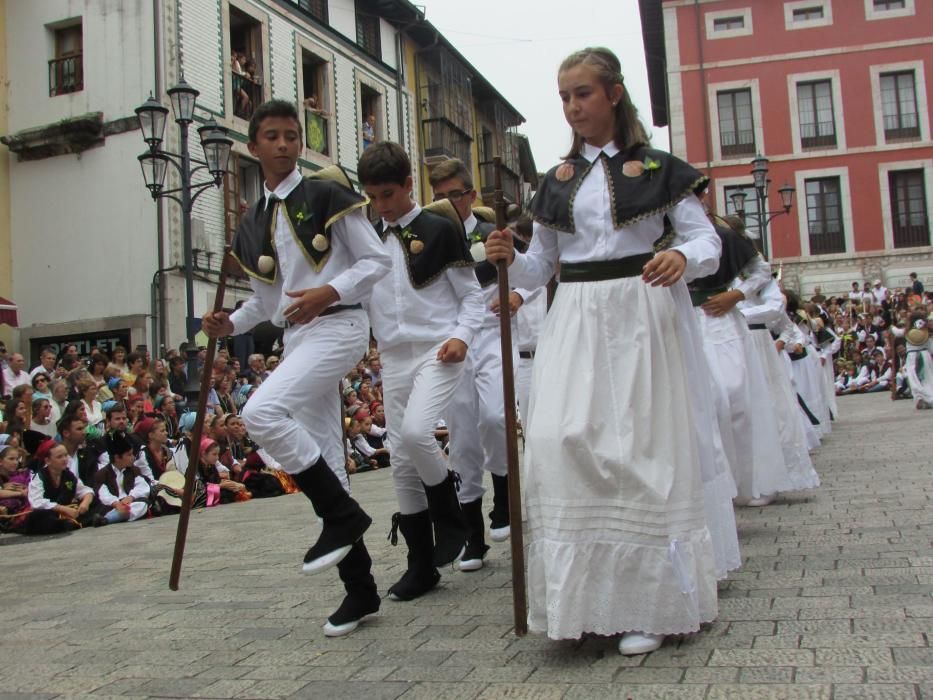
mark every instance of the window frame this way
{"type": "Point", "coordinates": [328, 104]}
{"type": "Point", "coordinates": [872, 13]}
{"type": "Point", "coordinates": [265, 67]}
{"type": "Point", "coordinates": [845, 205]}
{"type": "Point", "coordinates": [60, 57]}
{"type": "Point", "coordinates": [738, 150]}
{"type": "Point", "coordinates": [815, 144]}
{"type": "Point", "coordinates": [920, 96]}
{"type": "Point", "coordinates": [366, 17]}
{"type": "Point", "coordinates": [884, 188]}
{"type": "Point", "coordinates": [899, 101]}
{"type": "Point", "coordinates": [792, 23]}
{"type": "Point", "coordinates": [712, 33]}
{"type": "Point", "coordinates": [381, 132]}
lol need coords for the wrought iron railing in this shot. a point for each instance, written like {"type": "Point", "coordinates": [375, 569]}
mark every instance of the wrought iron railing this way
{"type": "Point", "coordinates": [66, 75]}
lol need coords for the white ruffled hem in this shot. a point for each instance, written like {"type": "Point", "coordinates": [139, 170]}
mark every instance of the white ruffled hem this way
{"type": "Point", "coordinates": [609, 588]}
{"type": "Point", "coordinates": [720, 521]}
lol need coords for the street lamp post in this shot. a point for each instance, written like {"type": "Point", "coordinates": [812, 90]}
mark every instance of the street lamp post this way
{"type": "Point", "coordinates": [216, 146]}
{"type": "Point", "coordinates": [763, 216]}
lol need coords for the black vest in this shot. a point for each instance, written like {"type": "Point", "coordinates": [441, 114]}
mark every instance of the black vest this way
{"type": "Point", "coordinates": [652, 182]}
{"type": "Point", "coordinates": [431, 244]}
{"type": "Point", "coordinates": [310, 211]}
{"type": "Point", "coordinates": [737, 252]}
{"type": "Point", "coordinates": [64, 493]}
{"type": "Point", "coordinates": [107, 477]}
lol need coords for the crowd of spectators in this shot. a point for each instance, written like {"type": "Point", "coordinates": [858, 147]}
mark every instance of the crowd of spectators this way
{"type": "Point", "coordinates": [866, 328]}
{"type": "Point", "coordinates": [104, 439]}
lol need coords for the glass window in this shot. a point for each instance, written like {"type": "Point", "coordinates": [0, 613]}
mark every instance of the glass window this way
{"type": "Point", "coordinates": [909, 208]}
{"type": "Point", "coordinates": [736, 126]}
{"type": "Point", "coordinates": [815, 110]}
{"type": "Point", "coordinates": [824, 216]}
{"type": "Point", "coordinates": [899, 106]}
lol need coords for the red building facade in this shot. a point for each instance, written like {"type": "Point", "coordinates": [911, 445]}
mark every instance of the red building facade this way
{"type": "Point", "coordinates": [834, 94]}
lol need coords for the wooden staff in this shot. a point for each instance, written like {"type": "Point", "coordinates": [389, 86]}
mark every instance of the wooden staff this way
{"type": "Point", "coordinates": [895, 361]}
{"type": "Point", "coordinates": [517, 540]}
{"type": "Point", "coordinates": [194, 453]}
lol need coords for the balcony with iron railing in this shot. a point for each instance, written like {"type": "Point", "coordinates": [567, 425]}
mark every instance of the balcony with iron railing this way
{"type": "Point", "coordinates": [825, 242]}
{"type": "Point", "coordinates": [737, 143]}
{"type": "Point", "coordinates": [912, 233]}
{"type": "Point", "coordinates": [443, 140]}
{"type": "Point", "coordinates": [66, 74]}
{"type": "Point", "coordinates": [247, 95]}
{"type": "Point", "coordinates": [511, 182]}
{"type": "Point", "coordinates": [818, 135]}
{"type": "Point", "coordinates": [901, 127]}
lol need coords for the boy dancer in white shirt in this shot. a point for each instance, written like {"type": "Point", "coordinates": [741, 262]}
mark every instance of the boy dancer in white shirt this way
{"type": "Point", "coordinates": [477, 415]}
{"type": "Point", "coordinates": [430, 307]}
{"type": "Point", "coordinates": [312, 257]}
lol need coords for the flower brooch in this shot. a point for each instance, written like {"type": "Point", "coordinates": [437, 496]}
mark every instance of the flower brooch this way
{"type": "Point", "coordinates": [634, 168]}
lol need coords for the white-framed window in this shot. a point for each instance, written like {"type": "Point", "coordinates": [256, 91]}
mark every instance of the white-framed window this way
{"type": "Point", "coordinates": [899, 100]}
{"type": "Point", "coordinates": [727, 24]}
{"type": "Point", "coordinates": [804, 14]}
{"type": "Point", "coordinates": [371, 100]}
{"type": "Point", "coordinates": [824, 211]}
{"type": "Point", "coordinates": [316, 92]}
{"type": "Point", "coordinates": [247, 62]}
{"type": "Point", "coordinates": [735, 119]}
{"type": "Point", "coordinates": [904, 187]}
{"type": "Point", "coordinates": [816, 117]}
{"type": "Point", "coordinates": [888, 9]}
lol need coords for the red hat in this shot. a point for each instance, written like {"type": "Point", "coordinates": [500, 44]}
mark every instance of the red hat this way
{"type": "Point", "coordinates": [42, 451]}
{"type": "Point", "coordinates": [361, 414]}
{"type": "Point", "coordinates": [144, 427]}
{"type": "Point", "coordinates": [374, 405]}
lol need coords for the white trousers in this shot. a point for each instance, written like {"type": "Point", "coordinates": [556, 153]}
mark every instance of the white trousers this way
{"type": "Point", "coordinates": [476, 416]}
{"type": "Point", "coordinates": [417, 389]}
{"type": "Point", "coordinates": [523, 385]}
{"type": "Point", "coordinates": [296, 414]}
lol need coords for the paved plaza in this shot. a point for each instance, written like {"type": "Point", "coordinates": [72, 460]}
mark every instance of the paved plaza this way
{"type": "Point", "coordinates": [834, 601]}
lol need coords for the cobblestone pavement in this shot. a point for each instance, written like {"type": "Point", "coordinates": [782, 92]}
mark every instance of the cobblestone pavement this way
{"type": "Point", "coordinates": [834, 601]}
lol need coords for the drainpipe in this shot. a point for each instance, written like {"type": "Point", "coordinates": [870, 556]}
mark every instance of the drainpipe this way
{"type": "Point", "coordinates": [158, 319]}
{"type": "Point", "coordinates": [706, 123]}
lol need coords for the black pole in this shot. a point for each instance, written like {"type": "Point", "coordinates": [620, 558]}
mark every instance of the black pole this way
{"type": "Point", "coordinates": [186, 205]}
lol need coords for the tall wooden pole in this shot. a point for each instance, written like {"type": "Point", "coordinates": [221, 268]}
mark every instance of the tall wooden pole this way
{"type": "Point", "coordinates": [194, 456]}
{"type": "Point", "coordinates": [517, 539]}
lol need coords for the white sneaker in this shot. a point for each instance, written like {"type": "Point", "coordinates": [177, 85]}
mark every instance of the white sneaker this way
{"type": "Point", "coordinates": [340, 630]}
{"type": "Point", "coordinates": [633, 643]}
{"type": "Point", "coordinates": [328, 560]}
{"type": "Point", "coordinates": [760, 501]}
{"type": "Point", "coordinates": [500, 534]}
{"type": "Point", "coordinates": [471, 564]}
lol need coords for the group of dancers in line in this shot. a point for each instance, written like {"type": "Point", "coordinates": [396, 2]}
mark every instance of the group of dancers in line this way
{"type": "Point", "coordinates": [668, 381]}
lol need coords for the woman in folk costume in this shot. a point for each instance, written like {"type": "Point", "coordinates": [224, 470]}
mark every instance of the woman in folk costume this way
{"type": "Point", "coordinates": [919, 362]}
{"type": "Point", "coordinates": [763, 311]}
{"type": "Point", "coordinates": [618, 541]}
{"type": "Point", "coordinates": [806, 367]}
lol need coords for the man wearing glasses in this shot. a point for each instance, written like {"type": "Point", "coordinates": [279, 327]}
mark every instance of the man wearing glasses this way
{"type": "Point", "coordinates": [477, 412]}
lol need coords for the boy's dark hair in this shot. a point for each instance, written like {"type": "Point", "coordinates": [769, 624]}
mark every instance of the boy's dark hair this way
{"type": "Point", "coordinates": [448, 169]}
{"type": "Point", "coordinates": [272, 108]}
{"type": "Point", "coordinates": [382, 163]}
{"type": "Point", "coordinates": [133, 357]}
{"type": "Point", "coordinates": [118, 407]}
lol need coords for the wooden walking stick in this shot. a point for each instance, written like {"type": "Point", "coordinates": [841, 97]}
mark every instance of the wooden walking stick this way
{"type": "Point", "coordinates": [517, 540]}
{"type": "Point", "coordinates": [194, 456]}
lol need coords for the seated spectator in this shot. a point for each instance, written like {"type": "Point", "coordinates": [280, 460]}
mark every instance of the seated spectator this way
{"type": "Point", "coordinates": [82, 456]}
{"type": "Point", "coordinates": [121, 490]}
{"type": "Point", "coordinates": [165, 407]}
{"type": "Point", "coordinates": [41, 386]}
{"type": "Point", "coordinates": [16, 416]}
{"type": "Point", "coordinates": [367, 454]}
{"type": "Point", "coordinates": [257, 368]}
{"type": "Point", "coordinates": [59, 499]}
{"type": "Point", "coordinates": [154, 458]}
{"type": "Point", "coordinates": [351, 402]}
{"type": "Point", "coordinates": [47, 362]}
{"type": "Point", "coordinates": [272, 362]}
{"type": "Point", "coordinates": [87, 388]}
{"type": "Point", "coordinates": [135, 366]}
{"type": "Point", "coordinates": [311, 104]}
{"type": "Point", "coordinates": [217, 476]}
{"type": "Point", "coordinates": [141, 388]}
{"type": "Point", "coordinates": [376, 440]}
{"type": "Point", "coordinates": [225, 402]}
{"type": "Point", "coordinates": [134, 409]}
{"type": "Point", "coordinates": [98, 369]}
{"type": "Point", "coordinates": [42, 418]}
{"type": "Point", "coordinates": [15, 374]}
{"type": "Point", "coordinates": [178, 377]}
{"type": "Point", "coordinates": [14, 485]}
{"type": "Point", "coordinates": [881, 370]}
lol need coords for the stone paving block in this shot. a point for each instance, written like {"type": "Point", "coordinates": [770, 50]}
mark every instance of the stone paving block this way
{"type": "Point", "coordinates": [528, 691]}
{"type": "Point", "coordinates": [576, 674]}
{"type": "Point", "coordinates": [873, 692]}
{"type": "Point", "coordinates": [766, 674]}
{"type": "Point", "coordinates": [171, 687]}
{"type": "Point", "coordinates": [763, 657]}
{"type": "Point", "coordinates": [635, 692]}
{"type": "Point", "coordinates": [428, 673]}
{"type": "Point", "coordinates": [350, 689]}
{"type": "Point", "coordinates": [649, 675]}
{"type": "Point", "coordinates": [814, 627]}
{"type": "Point", "coordinates": [777, 641]}
{"type": "Point", "coordinates": [502, 674]}
{"type": "Point", "coordinates": [711, 674]}
{"type": "Point", "coordinates": [443, 691]}
{"type": "Point", "coordinates": [829, 674]}
{"type": "Point", "coordinates": [479, 659]}
{"type": "Point", "coordinates": [913, 656]}
{"type": "Point", "coordinates": [852, 641]}
{"type": "Point", "coordinates": [854, 657]}
{"type": "Point", "coordinates": [226, 689]}
{"type": "Point", "coordinates": [678, 658]}
{"type": "Point", "coordinates": [770, 691]}
{"type": "Point", "coordinates": [899, 674]}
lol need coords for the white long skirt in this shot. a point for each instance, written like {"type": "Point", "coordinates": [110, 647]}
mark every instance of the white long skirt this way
{"type": "Point", "coordinates": [758, 462]}
{"type": "Point", "coordinates": [921, 387]}
{"type": "Point", "coordinates": [809, 430]}
{"type": "Point", "coordinates": [613, 488]}
{"type": "Point", "coordinates": [800, 471]}
{"type": "Point", "coordinates": [809, 380]}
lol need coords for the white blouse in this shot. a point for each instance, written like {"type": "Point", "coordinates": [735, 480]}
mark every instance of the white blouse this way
{"type": "Point", "coordinates": [597, 239]}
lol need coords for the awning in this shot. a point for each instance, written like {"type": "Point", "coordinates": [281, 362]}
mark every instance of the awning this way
{"type": "Point", "coordinates": [8, 313]}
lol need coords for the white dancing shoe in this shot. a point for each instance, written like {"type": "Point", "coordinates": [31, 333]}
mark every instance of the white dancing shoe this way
{"type": "Point", "coordinates": [633, 643]}
{"type": "Point", "coordinates": [323, 563]}
{"type": "Point", "coordinates": [500, 534]}
{"type": "Point", "coordinates": [760, 501]}
{"type": "Point", "coordinates": [471, 564]}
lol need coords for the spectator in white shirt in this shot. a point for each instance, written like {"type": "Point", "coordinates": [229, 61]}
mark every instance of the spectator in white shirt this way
{"type": "Point", "coordinates": [46, 363]}
{"type": "Point", "coordinates": [15, 374]}
{"type": "Point", "coordinates": [879, 293]}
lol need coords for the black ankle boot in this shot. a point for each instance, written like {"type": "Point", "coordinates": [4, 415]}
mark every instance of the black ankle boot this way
{"type": "Point", "coordinates": [499, 515]}
{"type": "Point", "coordinates": [450, 530]}
{"type": "Point", "coordinates": [362, 599]}
{"type": "Point", "coordinates": [344, 520]}
{"type": "Point", "coordinates": [421, 575]}
{"type": "Point", "coordinates": [476, 543]}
